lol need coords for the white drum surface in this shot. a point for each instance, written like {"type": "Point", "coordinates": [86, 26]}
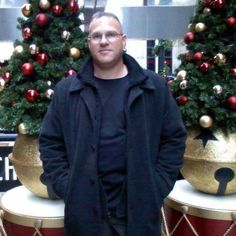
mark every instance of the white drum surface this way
{"type": "Point", "coordinates": [184, 193]}
{"type": "Point", "coordinates": [20, 200]}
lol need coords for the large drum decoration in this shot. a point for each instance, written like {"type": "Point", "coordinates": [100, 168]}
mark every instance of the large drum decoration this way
{"type": "Point", "coordinates": [188, 212]}
{"type": "Point", "coordinates": [210, 161]}
{"type": "Point", "coordinates": [25, 214]}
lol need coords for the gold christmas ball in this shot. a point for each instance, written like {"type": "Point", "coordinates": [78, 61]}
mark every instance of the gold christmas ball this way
{"type": "Point", "coordinates": [22, 129]}
{"type": "Point", "coordinates": [44, 4]}
{"type": "Point", "coordinates": [18, 50]}
{"type": "Point", "coordinates": [75, 52]}
{"type": "Point", "coordinates": [49, 93]}
{"type": "Point", "coordinates": [205, 121]}
{"type": "Point", "coordinates": [181, 75]}
{"type": "Point", "coordinates": [199, 27]}
{"type": "Point", "coordinates": [65, 35]}
{"type": "Point", "coordinates": [2, 84]}
{"type": "Point", "coordinates": [206, 10]}
{"type": "Point", "coordinates": [220, 59]}
{"type": "Point", "coordinates": [33, 49]}
{"type": "Point", "coordinates": [26, 9]}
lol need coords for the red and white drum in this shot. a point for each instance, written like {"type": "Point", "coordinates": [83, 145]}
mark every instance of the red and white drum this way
{"type": "Point", "coordinates": [25, 214]}
{"type": "Point", "coordinates": [188, 212]}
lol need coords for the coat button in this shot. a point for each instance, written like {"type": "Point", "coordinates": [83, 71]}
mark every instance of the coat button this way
{"type": "Point", "coordinates": [93, 147]}
{"type": "Point", "coordinates": [92, 181]}
{"type": "Point", "coordinates": [95, 211]}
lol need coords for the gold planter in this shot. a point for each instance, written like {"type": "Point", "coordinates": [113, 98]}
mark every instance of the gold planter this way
{"type": "Point", "coordinates": [27, 165]}
{"type": "Point", "coordinates": [210, 161]}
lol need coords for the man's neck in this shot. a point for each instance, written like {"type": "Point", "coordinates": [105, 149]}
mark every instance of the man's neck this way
{"type": "Point", "coordinates": [111, 72]}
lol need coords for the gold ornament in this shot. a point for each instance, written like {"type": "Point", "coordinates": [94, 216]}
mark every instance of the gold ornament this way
{"type": "Point", "coordinates": [65, 35]}
{"type": "Point", "coordinates": [205, 121]}
{"type": "Point", "coordinates": [27, 164]}
{"type": "Point", "coordinates": [22, 129]}
{"type": "Point", "coordinates": [33, 49]}
{"type": "Point", "coordinates": [217, 89]}
{"type": "Point", "coordinates": [220, 59]}
{"type": "Point", "coordinates": [18, 50]}
{"type": "Point", "coordinates": [207, 155]}
{"type": "Point", "coordinates": [75, 52]}
{"type": "Point", "coordinates": [181, 75]}
{"type": "Point", "coordinates": [199, 27]}
{"type": "Point", "coordinates": [44, 4]}
{"type": "Point", "coordinates": [49, 93]}
{"type": "Point", "coordinates": [206, 10]}
{"type": "Point", "coordinates": [2, 84]}
{"type": "Point", "coordinates": [26, 9]}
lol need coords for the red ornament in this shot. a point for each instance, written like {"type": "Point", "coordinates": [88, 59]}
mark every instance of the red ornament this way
{"type": "Point", "coordinates": [57, 10]}
{"type": "Point", "coordinates": [31, 95]}
{"type": "Point", "coordinates": [198, 56]}
{"type": "Point", "coordinates": [6, 76]}
{"type": "Point", "coordinates": [189, 37]}
{"type": "Point", "coordinates": [27, 69]}
{"type": "Point", "coordinates": [204, 67]}
{"type": "Point", "coordinates": [233, 71]}
{"type": "Point", "coordinates": [73, 6]}
{"type": "Point", "coordinates": [218, 4]}
{"type": "Point", "coordinates": [182, 100]}
{"type": "Point", "coordinates": [232, 102]}
{"type": "Point", "coordinates": [27, 33]}
{"type": "Point", "coordinates": [231, 21]}
{"type": "Point", "coordinates": [70, 72]}
{"type": "Point", "coordinates": [42, 58]}
{"type": "Point", "coordinates": [42, 19]}
{"type": "Point", "coordinates": [3, 63]}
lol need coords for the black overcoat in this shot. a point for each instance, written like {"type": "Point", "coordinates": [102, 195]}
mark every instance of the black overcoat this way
{"type": "Point", "coordinates": [155, 146]}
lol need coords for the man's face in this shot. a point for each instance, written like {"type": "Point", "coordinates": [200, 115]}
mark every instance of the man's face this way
{"type": "Point", "coordinates": [106, 41]}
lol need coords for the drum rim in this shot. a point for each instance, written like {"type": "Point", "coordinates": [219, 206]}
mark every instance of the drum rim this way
{"type": "Point", "coordinates": [202, 212]}
{"type": "Point", "coordinates": [25, 220]}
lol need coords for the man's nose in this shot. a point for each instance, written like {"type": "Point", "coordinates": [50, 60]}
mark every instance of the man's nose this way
{"type": "Point", "coordinates": [104, 39]}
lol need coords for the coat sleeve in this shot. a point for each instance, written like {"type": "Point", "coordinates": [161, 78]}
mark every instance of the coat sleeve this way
{"type": "Point", "coordinates": [172, 145]}
{"type": "Point", "coordinates": [53, 152]}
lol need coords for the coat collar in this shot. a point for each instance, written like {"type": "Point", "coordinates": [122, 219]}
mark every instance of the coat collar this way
{"type": "Point", "coordinates": [137, 75]}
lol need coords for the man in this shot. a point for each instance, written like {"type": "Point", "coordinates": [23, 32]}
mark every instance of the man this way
{"type": "Point", "coordinates": [112, 141]}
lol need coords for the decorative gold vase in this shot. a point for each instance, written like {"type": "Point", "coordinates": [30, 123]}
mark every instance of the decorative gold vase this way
{"type": "Point", "coordinates": [27, 165]}
{"type": "Point", "coordinates": [210, 161]}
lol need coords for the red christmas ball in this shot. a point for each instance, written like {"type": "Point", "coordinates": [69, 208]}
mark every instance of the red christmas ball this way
{"type": "Point", "coordinates": [204, 67]}
{"type": "Point", "coordinates": [198, 56]}
{"type": "Point", "coordinates": [27, 69]}
{"type": "Point", "coordinates": [42, 58]}
{"type": "Point", "coordinates": [42, 19]}
{"type": "Point", "coordinates": [182, 100]}
{"type": "Point", "coordinates": [219, 4]}
{"type": "Point", "coordinates": [70, 72]}
{"type": "Point", "coordinates": [232, 102]}
{"type": "Point", "coordinates": [231, 21]}
{"type": "Point", "coordinates": [73, 6]}
{"type": "Point", "coordinates": [189, 37]}
{"type": "Point", "coordinates": [233, 71]}
{"type": "Point", "coordinates": [6, 76]}
{"type": "Point", "coordinates": [27, 33]}
{"type": "Point", "coordinates": [57, 10]}
{"type": "Point", "coordinates": [31, 95]}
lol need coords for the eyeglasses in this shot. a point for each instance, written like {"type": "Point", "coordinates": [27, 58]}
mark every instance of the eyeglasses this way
{"type": "Point", "coordinates": [110, 36]}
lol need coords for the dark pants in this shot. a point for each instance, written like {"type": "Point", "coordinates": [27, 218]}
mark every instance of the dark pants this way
{"type": "Point", "coordinates": [114, 227]}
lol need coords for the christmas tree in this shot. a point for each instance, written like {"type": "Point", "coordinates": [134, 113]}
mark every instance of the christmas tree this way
{"type": "Point", "coordinates": [53, 47]}
{"type": "Point", "coordinates": [205, 85]}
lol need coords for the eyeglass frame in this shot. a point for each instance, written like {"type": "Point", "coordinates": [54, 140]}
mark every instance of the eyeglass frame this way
{"type": "Point", "coordinates": [113, 34]}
